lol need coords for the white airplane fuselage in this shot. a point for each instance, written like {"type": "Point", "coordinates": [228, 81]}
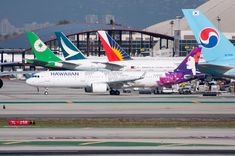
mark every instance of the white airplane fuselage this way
{"type": "Point", "coordinates": [87, 78]}
{"type": "Point", "coordinates": [158, 65]}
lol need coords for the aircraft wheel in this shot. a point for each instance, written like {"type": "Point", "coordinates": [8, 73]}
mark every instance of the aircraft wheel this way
{"type": "Point", "coordinates": [46, 93]}
{"type": "Point", "coordinates": [117, 92]}
{"type": "Point", "coordinates": [112, 92]}
{"type": "Point", "coordinates": [1, 83]}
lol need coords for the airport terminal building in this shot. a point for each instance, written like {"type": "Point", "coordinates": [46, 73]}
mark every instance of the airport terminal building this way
{"type": "Point", "coordinates": [168, 38]}
{"type": "Point", "coordinates": [220, 12]}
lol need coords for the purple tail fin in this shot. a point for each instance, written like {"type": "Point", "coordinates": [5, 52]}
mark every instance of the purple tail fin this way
{"type": "Point", "coordinates": [185, 71]}
{"type": "Point", "coordinates": [190, 64]}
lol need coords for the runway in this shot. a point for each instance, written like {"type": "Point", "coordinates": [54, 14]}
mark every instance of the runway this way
{"type": "Point", "coordinates": [107, 141]}
{"type": "Point", "coordinates": [204, 134]}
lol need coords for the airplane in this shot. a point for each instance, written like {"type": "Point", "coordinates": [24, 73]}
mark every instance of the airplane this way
{"type": "Point", "coordinates": [118, 56]}
{"type": "Point", "coordinates": [45, 57]}
{"type": "Point", "coordinates": [68, 48]}
{"type": "Point", "coordinates": [102, 81]}
{"type": "Point", "coordinates": [217, 51]}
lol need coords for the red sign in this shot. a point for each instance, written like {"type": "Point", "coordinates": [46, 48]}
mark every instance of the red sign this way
{"type": "Point", "coordinates": [19, 122]}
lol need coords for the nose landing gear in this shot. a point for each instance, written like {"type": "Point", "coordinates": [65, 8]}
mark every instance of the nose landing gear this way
{"type": "Point", "coordinates": [46, 91]}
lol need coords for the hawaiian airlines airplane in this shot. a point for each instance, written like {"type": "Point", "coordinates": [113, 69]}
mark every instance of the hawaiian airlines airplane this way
{"type": "Point", "coordinates": [102, 81]}
{"type": "Point", "coordinates": [217, 51]}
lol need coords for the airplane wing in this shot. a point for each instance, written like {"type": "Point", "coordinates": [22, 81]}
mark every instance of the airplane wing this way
{"type": "Point", "coordinates": [121, 83]}
{"type": "Point", "coordinates": [52, 64]}
{"type": "Point", "coordinates": [113, 66]}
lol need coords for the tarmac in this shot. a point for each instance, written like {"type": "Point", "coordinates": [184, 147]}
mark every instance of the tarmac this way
{"type": "Point", "coordinates": [21, 101]}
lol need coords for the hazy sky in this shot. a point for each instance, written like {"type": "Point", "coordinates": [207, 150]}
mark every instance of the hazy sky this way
{"type": "Point", "coordinates": [135, 13]}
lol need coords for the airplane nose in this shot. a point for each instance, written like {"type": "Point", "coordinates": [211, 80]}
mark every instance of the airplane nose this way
{"type": "Point", "coordinates": [29, 81]}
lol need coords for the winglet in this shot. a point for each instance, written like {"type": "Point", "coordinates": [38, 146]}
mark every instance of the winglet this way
{"type": "Point", "coordinates": [143, 75]}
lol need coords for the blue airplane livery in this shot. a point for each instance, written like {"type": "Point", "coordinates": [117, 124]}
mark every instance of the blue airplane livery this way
{"type": "Point", "coordinates": [217, 51]}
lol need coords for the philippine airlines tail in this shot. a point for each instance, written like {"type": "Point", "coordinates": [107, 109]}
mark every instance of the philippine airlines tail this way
{"type": "Point", "coordinates": [70, 51]}
{"type": "Point", "coordinates": [40, 50]}
{"type": "Point", "coordinates": [186, 71]}
{"type": "Point", "coordinates": [112, 49]}
{"type": "Point", "coordinates": [216, 48]}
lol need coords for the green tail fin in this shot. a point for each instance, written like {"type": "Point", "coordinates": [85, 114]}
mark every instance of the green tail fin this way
{"type": "Point", "coordinates": [40, 50]}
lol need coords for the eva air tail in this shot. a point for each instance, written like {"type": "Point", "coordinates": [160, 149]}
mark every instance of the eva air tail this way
{"type": "Point", "coordinates": [40, 50]}
{"type": "Point", "coordinates": [112, 49]}
{"type": "Point", "coordinates": [70, 51]}
{"type": "Point", "coordinates": [216, 48]}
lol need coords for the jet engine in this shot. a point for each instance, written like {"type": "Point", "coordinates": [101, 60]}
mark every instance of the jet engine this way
{"type": "Point", "coordinates": [99, 87]}
{"type": "Point", "coordinates": [88, 89]}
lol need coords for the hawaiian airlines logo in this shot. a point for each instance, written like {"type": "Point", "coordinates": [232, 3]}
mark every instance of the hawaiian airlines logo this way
{"type": "Point", "coordinates": [191, 64]}
{"type": "Point", "coordinates": [209, 37]}
{"type": "Point", "coordinates": [39, 46]}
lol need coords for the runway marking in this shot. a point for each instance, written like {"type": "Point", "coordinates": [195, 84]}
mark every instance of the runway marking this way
{"type": "Point", "coordinates": [13, 142]}
{"type": "Point", "coordinates": [108, 143]}
{"type": "Point", "coordinates": [196, 102]}
{"type": "Point", "coordinates": [117, 102]}
{"type": "Point", "coordinates": [91, 143]}
{"type": "Point", "coordinates": [70, 103]}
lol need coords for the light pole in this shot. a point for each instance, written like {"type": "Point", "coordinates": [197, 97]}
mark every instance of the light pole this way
{"type": "Point", "coordinates": [172, 24]}
{"type": "Point", "coordinates": [218, 20]}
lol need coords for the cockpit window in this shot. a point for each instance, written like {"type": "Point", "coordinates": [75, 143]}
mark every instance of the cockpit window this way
{"type": "Point", "coordinates": [36, 76]}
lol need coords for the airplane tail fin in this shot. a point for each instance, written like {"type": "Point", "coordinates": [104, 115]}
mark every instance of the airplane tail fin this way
{"type": "Point", "coordinates": [112, 49]}
{"type": "Point", "coordinates": [215, 45]}
{"type": "Point", "coordinates": [185, 71]}
{"type": "Point", "coordinates": [70, 51]}
{"type": "Point", "coordinates": [190, 63]}
{"type": "Point", "coordinates": [40, 50]}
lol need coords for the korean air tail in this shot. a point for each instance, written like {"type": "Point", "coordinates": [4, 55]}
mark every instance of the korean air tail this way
{"type": "Point", "coordinates": [40, 50]}
{"type": "Point", "coordinates": [112, 49]}
{"type": "Point", "coordinates": [70, 51]}
{"type": "Point", "coordinates": [186, 71]}
{"type": "Point", "coordinates": [216, 48]}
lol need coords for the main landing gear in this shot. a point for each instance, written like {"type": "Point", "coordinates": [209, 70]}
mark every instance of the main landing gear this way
{"type": "Point", "coordinates": [46, 91]}
{"type": "Point", "coordinates": [114, 92]}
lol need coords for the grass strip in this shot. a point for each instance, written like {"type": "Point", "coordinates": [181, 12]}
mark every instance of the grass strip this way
{"type": "Point", "coordinates": [129, 123]}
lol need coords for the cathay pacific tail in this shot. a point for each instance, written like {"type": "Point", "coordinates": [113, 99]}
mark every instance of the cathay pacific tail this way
{"type": "Point", "coordinates": [70, 51]}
